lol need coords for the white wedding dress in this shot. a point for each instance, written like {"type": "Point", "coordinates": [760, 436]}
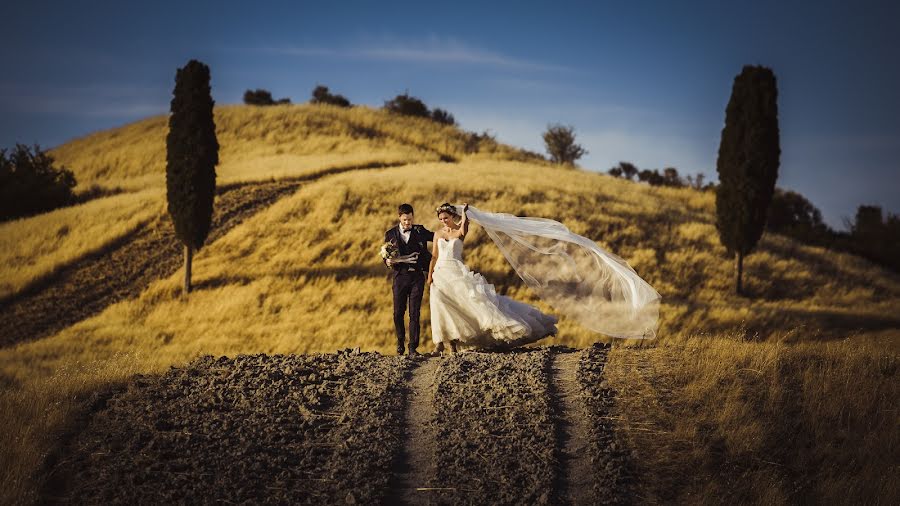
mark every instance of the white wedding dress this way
{"type": "Point", "coordinates": [466, 307]}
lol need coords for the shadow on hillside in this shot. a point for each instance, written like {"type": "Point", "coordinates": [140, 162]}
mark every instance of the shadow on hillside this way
{"type": "Point", "coordinates": [833, 322]}
{"type": "Point", "coordinates": [764, 283]}
{"type": "Point", "coordinates": [826, 270]}
{"type": "Point", "coordinates": [800, 324]}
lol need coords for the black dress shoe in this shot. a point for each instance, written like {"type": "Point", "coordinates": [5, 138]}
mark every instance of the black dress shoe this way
{"type": "Point", "coordinates": [413, 352]}
{"type": "Point", "coordinates": [400, 350]}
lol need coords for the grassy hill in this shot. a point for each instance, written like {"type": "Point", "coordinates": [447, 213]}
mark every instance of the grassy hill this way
{"type": "Point", "coordinates": [275, 142]}
{"type": "Point", "coordinates": [812, 348]}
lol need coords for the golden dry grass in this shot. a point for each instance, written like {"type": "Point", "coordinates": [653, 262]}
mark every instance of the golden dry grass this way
{"type": "Point", "coordinates": [304, 276]}
{"type": "Point", "coordinates": [717, 420]}
{"type": "Point", "coordinates": [257, 144]}
{"type": "Point", "coordinates": [31, 249]}
{"type": "Point", "coordinates": [276, 141]}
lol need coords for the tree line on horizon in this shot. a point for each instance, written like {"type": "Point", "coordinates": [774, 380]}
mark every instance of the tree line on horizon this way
{"type": "Point", "coordinates": [404, 103]}
{"type": "Point", "coordinates": [559, 139]}
{"type": "Point", "coordinates": [870, 233]}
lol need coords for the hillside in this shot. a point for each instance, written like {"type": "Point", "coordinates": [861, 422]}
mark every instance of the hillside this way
{"type": "Point", "coordinates": [280, 141]}
{"type": "Point", "coordinates": [302, 275]}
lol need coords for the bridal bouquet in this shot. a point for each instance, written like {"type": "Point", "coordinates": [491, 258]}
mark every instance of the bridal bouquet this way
{"type": "Point", "coordinates": [390, 252]}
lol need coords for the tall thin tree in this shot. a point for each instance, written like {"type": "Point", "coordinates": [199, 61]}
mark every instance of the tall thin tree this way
{"type": "Point", "coordinates": [748, 162]}
{"type": "Point", "coordinates": [192, 153]}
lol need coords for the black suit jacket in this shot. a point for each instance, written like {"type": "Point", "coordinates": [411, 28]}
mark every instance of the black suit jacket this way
{"type": "Point", "coordinates": [418, 242]}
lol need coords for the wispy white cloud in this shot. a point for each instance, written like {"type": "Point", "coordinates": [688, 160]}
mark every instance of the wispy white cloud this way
{"type": "Point", "coordinates": [432, 50]}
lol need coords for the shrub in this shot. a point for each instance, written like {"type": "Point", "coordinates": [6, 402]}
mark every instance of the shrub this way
{"type": "Point", "coordinates": [442, 116]}
{"type": "Point", "coordinates": [791, 213]}
{"type": "Point", "coordinates": [625, 169]}
{"type": "Point", "coordinates": [321, 95]}
{"type": "Point", "coordinates": [30, 184]}
{"type": "Point", "coordinates": [651, 177]}
{"type": "Point", "coordinates": [476, 142]}
{"type": "Point", "coordinates": [408, 106]}
{"type": "Point", "coordinates": [876, 237]}
{"type": "Point", "coordinates": [262, 97]}
{"type": "Point", "coordinates": [560, 143]}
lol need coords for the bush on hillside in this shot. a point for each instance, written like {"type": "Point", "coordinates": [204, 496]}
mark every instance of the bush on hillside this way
{"type": "Point", "coordinates": [651, 177]}
{"type": "Point", "coordinates": [668, 177]}
{"type": "Point", "coordinates": [560, 144]}
{"type": "Point", "coordinates": [262, 97]}
{"type": "Point", "coordinates": [792, 214]}
{"type": "Point", "coordinates": [443, 117]}
{"type": "Point", "coordinates": [31, 184]}
{"type": "Point", "coordinates": [407, 105]}
{"type": "Point", "coordinates": [876, 237]}
{"type": "Point", "coordinates": [696, 182]}
{"type": "Point", "coordinates": [321, 95]}
{"type": "Point", "coordinates": [625, 169]}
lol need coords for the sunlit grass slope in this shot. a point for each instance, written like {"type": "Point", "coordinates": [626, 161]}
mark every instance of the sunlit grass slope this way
{"type": "Point", "coordinates": [275, 141]}
{"type": "Point", "coordinates": [33, 248]}
{"type": "Point", "coordinates": [724, 421]}
{"type": "Point", "coordinates": [304, 276]}
{"type": "Point", "coordinates": [256, 143]}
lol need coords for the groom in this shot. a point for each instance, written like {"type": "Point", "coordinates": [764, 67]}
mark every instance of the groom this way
{"type": "Point", "coordinates": [409, 279]}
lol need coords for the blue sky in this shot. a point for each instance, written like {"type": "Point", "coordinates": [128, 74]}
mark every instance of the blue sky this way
{"type": "Point", "coordinates": [645, 82]}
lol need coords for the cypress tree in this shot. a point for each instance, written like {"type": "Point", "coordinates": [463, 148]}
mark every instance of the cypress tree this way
{"type": "Point", "coordinates": [192, 152]}
{"type": "Point", "coordinates": [748, 163]}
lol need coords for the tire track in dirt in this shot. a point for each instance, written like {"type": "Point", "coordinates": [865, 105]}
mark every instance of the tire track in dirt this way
{"type": "Point", "coordinates": [612, 475]}
{"type": "Point", "coordinates": [87, 286]}
{"type": "Point", "coordinates": [574, 481]}
{"type": "Point", "coordinates": [414, 475]}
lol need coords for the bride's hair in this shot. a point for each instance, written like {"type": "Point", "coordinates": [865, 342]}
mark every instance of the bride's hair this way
{"type": "Point", "coordinates": [448, 208]}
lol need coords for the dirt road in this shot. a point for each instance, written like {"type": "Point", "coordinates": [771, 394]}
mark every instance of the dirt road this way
{"type": "Point", "coordinates": [524, 427]}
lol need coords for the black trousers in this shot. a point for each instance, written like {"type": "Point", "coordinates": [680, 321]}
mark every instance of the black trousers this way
{"type": "Point", "coordinates": [409, 286]}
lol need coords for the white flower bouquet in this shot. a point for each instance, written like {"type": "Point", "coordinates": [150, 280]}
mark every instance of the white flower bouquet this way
{"type": "Point", "coordinates": [389, 251]}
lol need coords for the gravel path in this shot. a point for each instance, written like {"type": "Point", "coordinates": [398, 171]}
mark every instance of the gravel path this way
{"type": "Point", "coordinates": [573, 431]}
{"type": "Point", "coordinates": [414, 475]}
{"type": "Point", "coordinates": [529, 426]}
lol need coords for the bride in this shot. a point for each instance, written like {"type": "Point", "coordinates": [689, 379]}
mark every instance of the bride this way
{"type": "Point", "coordinates": [574, 275]}
{"type": "Point", "coordinates": [465, 308]}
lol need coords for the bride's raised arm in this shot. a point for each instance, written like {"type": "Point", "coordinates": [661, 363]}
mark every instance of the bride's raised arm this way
{"type": "Point", "coordinates": [464, 226]}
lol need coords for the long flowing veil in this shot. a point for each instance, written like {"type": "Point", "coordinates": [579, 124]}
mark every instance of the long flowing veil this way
{"type": "Point", "coordinates": [578, 278]}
